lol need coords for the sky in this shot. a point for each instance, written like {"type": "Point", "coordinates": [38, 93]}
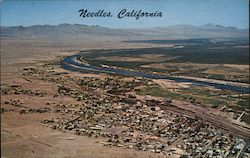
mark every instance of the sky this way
{"type": "Point", "coordinates": [174, 12]}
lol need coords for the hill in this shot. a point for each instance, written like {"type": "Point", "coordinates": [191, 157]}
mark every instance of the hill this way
{"type": "Point", "coordinates": [68, 31]}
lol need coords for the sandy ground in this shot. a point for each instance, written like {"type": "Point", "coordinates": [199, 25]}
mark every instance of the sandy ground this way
{"type": "Point", "coordinates": [171, 85]}
{"type": "Point", "coordinates": [25, 135]}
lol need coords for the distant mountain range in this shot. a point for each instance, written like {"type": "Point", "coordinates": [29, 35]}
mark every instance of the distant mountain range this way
{"type": "Point", "coordinates": [96, 32]}
{"type": "Point", "coordinates": [189, 31]}
{"type": "Point", "coordinates": [62, 30]}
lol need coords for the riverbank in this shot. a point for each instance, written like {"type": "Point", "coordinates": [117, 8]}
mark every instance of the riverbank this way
{"type": "Point", "coordinates": [70, 63]}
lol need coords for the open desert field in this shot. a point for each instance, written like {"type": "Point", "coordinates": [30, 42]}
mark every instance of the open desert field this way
{"type": "Point", "coordinates": [24, 135]}
{"type": "Point", "coordinates": [124, 79]}
{"type": "Point", "coordinates": [48, 110]}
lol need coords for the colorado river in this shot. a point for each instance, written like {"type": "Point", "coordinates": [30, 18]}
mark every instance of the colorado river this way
{"type": "Point", "coordinates": [69, 63]}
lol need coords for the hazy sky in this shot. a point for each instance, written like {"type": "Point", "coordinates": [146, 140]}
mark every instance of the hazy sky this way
{"type": "Point", "coordinates": [194, 12]}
